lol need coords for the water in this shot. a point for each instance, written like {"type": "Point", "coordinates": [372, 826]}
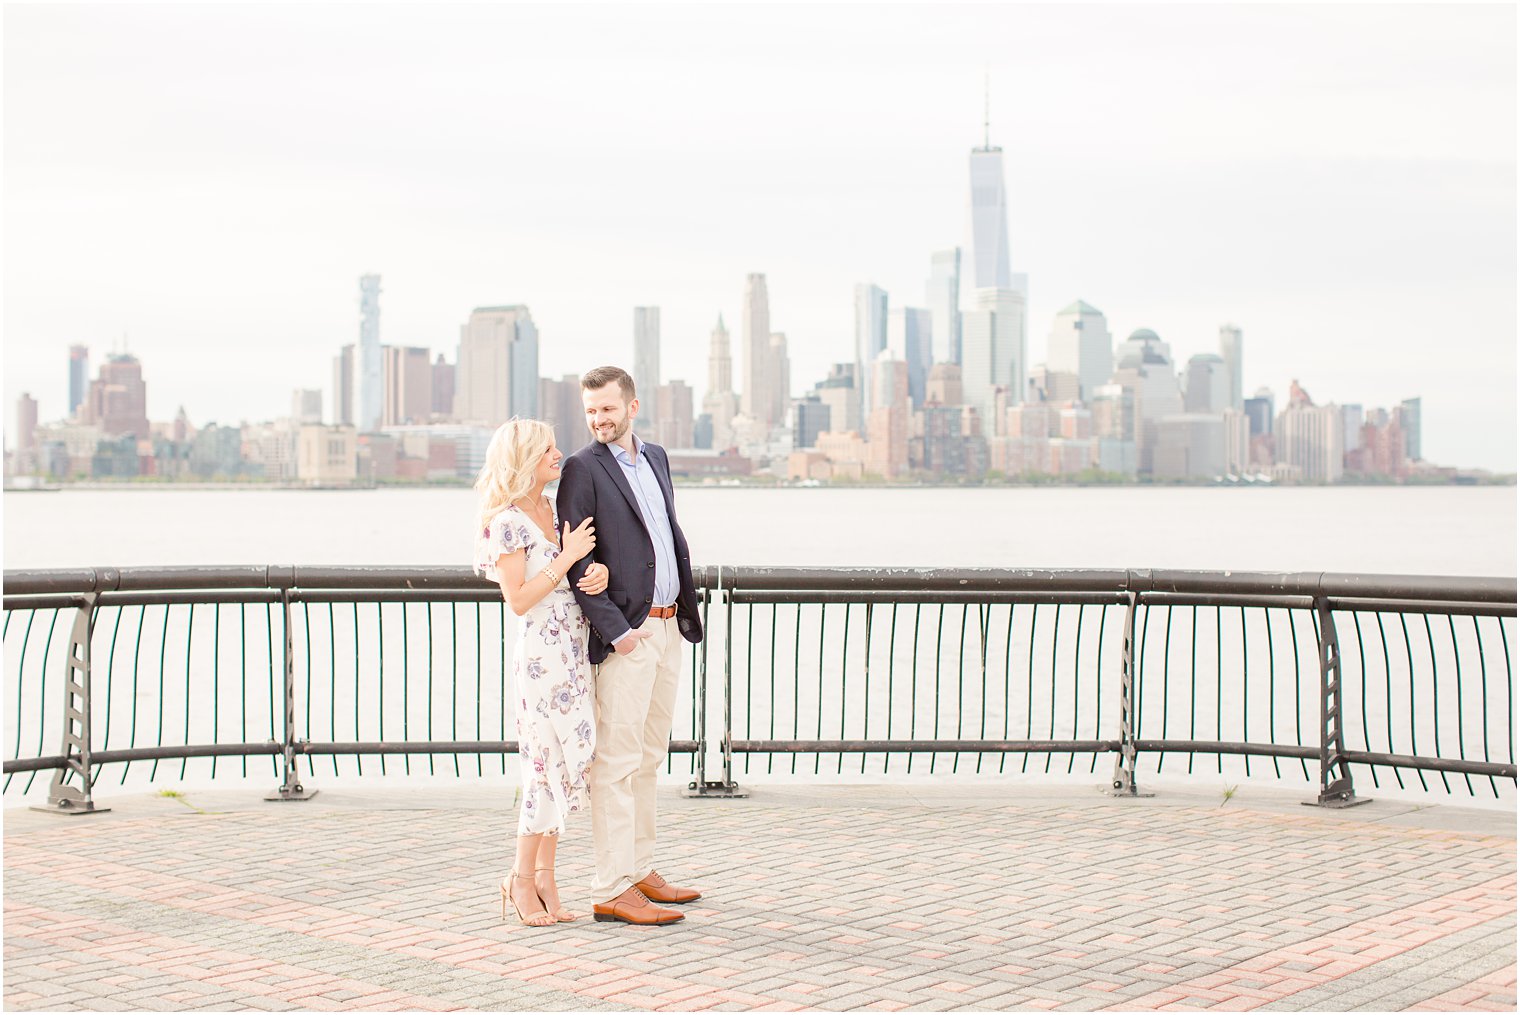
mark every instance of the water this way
{"type": "Point", "coordinates": [1388, 530]}
{"type": "Point", "coordinates": [1040, 675]}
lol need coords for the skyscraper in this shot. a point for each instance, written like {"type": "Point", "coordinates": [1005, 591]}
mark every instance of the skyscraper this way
{"type": "Point", "coordinates": [910, 336]}
{"type": "Point", "coordinates": [1080, 344]}
{"type": "Point", "coordinates": [720, 404]}
{"type": "Point", "coordinates": [1208, 384]}
{"type": "Point", "coordinates": [943, 295]}
{"type": "Point", "coordinates": [1408, 416]}
{"type": "Point", "coordinates": [497, 369]}
{"type": "Point", "coordinates": [778, 372]}
{"type": "Point", "coordinates": [79, 377]}
{"type": "Point", "coordinates": [989, 220]}
{"type": "Point", "coordinates": [371, 378]}
{"type": "Point", "coordinates": [757, 349]}
{"type": "Point", "coordinates": [998, 297]}
{"type": "Point", "coordinates": [408, 388]}
{"type": "Point", "coordinates": [993, 353]}
{"type": "Point", "coordinates": [673, 426]}
{"type": "Point", "coordinates": [118, 398]}
{"type": "Point", "coordinates": [26, 436]}
{"type": "Point", "coordinates": [1232, 349]}
{"type": "Point", "coordinates": [870, 337]}
{"type": "Point", "coordinates": [343, 387]}
{"type": "Point", "coordinates": [646, 365]}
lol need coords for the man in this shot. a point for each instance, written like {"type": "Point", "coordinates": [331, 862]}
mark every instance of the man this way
{"type": "Point", "coordinates": [637, 624]}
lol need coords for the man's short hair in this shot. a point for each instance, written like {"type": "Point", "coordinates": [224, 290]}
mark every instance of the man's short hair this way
{"type": "Point", "coordinates": [603, 376]}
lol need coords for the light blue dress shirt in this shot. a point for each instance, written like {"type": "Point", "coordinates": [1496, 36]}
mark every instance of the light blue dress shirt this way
{"type": "Point", "coordinates": [639, 472]}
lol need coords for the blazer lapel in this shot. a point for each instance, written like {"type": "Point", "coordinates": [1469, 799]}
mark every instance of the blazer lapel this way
{"type": "Point", "coordinates": [602, 454]}
{"type": "Point", "coordinates": [662, 476]}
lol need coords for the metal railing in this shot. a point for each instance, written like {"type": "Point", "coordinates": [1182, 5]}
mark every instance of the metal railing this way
{"type": "Point", "coordinates": [1338, 677]}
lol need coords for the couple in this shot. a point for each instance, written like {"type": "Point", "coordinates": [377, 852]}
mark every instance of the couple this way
{"type": "Point", "coordinates": [600, 734]}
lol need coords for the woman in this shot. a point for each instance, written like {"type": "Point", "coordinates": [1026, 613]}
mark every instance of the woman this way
{"type": "Point", "coordinates": [517, 547]}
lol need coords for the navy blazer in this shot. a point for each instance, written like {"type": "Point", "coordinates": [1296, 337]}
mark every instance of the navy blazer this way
{"type": "Point", "coordinates": [591, 483]}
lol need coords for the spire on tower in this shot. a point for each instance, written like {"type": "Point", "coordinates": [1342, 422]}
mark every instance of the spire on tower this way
{"type": "Point", "coordinates": [987, 109]}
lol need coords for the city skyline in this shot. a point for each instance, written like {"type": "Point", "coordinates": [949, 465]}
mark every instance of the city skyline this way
{"type": "Point", "coordinates": [1414, 172]}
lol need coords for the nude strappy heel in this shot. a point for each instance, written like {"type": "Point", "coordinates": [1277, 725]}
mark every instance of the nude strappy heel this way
{"type": "Point", "coordinates": [564, 915]}
{"type": "Point", "coordinates": [529, 920]}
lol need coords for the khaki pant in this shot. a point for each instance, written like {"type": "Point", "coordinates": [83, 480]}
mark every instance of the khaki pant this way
{"type": "Point", "coordinates": [635, 708]}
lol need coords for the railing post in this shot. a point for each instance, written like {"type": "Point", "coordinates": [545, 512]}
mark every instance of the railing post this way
{"type": "Point", "coordinates": [1124, 784]}
{"type": "Point", "coordinates": [290, 788]}
{"type": "Point", "coordinates": [62, 797]}
{"type": "Point", "coordinates": [1334, 790]}
{"type": "Point", "coordinates": [725, 786]}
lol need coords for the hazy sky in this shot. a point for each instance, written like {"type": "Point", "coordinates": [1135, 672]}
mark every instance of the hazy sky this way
{"type": "Point", "coordinates": [211, 180]}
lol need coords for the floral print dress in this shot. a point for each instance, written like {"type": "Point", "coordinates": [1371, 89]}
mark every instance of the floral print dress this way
{"type": "Point", "coordinates": [552, 677]}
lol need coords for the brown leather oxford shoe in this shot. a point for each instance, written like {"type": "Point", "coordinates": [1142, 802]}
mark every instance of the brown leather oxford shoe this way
{"type": "Point", "coordinates": [633, 907]}
{"type": "Point", "coordinates": [660, 890]}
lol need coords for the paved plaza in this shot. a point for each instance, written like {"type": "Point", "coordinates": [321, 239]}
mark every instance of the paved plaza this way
{"type": "Point", "coordinates": [936, 896]}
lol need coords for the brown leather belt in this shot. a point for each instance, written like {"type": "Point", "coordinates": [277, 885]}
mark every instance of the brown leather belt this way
{"type": "Point", "coordinates": [662, 612]}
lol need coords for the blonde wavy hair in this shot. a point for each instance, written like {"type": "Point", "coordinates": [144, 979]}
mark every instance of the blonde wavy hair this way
{"type": "Point", "coordinates": [511, 460]}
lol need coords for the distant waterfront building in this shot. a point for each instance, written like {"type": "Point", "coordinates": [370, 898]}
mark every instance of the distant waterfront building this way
{"type": "Point", "coordinates": [370, 369]}
{"type": "Point", "coordinates": [840, 392]}
{"type": "Point", "coordinates": [993, 353]}
{"type": "Point", "coordinates": [560, 405]}
{"type": "Point", "coordinates": [910, 337]}
{"type": "Point", "coordinates": [117, 401]}
{"type": "Point", "coordinates": [943, 386]}
{"type": "Point", "coordinates": [1258, 409]}
{"type": "Point", "coordinates": [870, 335]}
{"type": "Point", "coordinates": [990, 265]}
{"type": "Point", "coordinates": [1232, 351]}
{"type": "Point", "coordinates": [673, 415]}
{"type": "Point", "coordinates": [887, 423]}
{"type": "Point", "coordinates": [720, 404]}
{"type": "Point", "coordinates": [408, 385]}
{"type": "Point", "coordinates": [306, 406]}
{"type": "Point", "coordinates": [25, 462]}
{"type": "Point", "coordinates": [810, 417]}
{"type": "Point", "coordinates": [79, 377]}
{"type": "Point", "coordinates": [1208, 384]}
{"type": "Point", "coordinates": [1080, 344]}
{"type": "Point", "coordinates": [1237, 443]}
{"type": "Point", "coordinates": [1190, 445]}
{"type": "Point", "coordinates": [778, 371]}
{"type": "Point", "coordinates": [1408, 415]}
{"type": "Point", "coordinates": [943, 296]}
{"type": "Point", "coordinates": [757, 349]}
{"type": "Point", "coordinates": [326, 455]}
{"type": "Point", "coordinates": [1145, 366]}
{"type": "Point", "coordinates": [497, 375]}
{"type": "Point", "coordinates": [443, 389]}
{"type": "Point", "coordinates": [1047, 385]}
{"type": "Point", "coordinates": [646, 365]}
{"type": "Point", "coordinates": [216, 452]}
{"type": "Point", "coordinates": [1352, 420]}
{"type": "Point", "coordinates": [343, 387]}
{"type": "Point", "coordinates": [1310, 438]}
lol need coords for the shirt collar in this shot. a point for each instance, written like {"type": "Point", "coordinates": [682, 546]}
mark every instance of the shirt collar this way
{"type": "Point", "coordinates": [622, 456]}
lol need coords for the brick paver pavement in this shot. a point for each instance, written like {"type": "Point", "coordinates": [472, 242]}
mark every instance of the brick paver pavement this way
{"type": "Point", "coordinates": [930, 896]}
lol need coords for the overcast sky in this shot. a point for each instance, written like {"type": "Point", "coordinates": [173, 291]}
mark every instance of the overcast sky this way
{"type": "Point", "coordinates": [211, 180]}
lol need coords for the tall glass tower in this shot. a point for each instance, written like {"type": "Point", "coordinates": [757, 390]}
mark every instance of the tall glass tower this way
{"type": "Point", "coordinates": [989, 221]}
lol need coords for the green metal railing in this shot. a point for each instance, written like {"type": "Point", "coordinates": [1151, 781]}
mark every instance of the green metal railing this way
{"type": "Point", "coordinates": [1330, 678]}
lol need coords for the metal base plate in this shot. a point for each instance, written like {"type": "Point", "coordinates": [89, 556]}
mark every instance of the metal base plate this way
{"type": "Point", "coordinates": [299, 793]}
{"type": "Point", "coordinates": [1338, 802]}
{"type": "Point", "coordinates": [70, 811]}
{"type": "Point", "coordinates": [724, 790]}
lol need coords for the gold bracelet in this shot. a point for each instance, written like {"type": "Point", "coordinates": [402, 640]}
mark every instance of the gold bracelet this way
{"type": "Point", "coordinates": [551, 574]}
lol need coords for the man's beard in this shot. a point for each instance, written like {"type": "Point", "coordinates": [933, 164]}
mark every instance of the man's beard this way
{"type": "Point", "coordinates": [617, 432]}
